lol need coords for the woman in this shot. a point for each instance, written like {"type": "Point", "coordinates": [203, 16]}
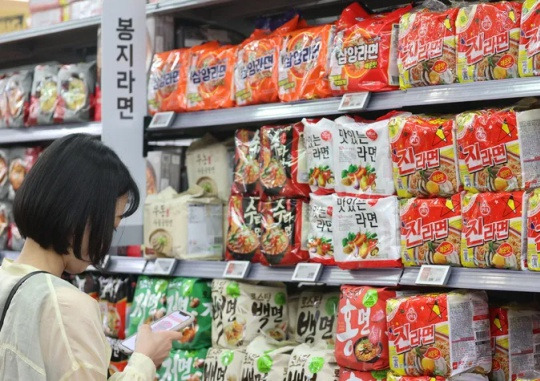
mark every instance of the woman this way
{"type": "Point", "coordinates": [67, 208]}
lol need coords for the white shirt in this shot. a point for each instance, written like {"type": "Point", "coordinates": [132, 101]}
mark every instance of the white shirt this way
{"type": "Point", "coordinates": [53, 332]}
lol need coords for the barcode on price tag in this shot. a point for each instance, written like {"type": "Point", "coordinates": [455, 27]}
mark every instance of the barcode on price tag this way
{"type": "Point", "coordinates": [164, 266]}
{"type": "Point", "coordinates": [354, 101]}
{"type": "Point", "coordinates": [433, 275]}
{"type": "Point", "coordinates": [307, 272]}
{"type": "Point", "coordinates": [162, 119]}
{"type": "Point", "coordinates": [236, 269]}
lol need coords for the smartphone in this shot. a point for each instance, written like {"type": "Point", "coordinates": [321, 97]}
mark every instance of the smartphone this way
{"type": "Point", "coordinates": [175, 321]}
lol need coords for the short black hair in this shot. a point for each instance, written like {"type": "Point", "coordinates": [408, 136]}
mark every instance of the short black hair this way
{"type": "Point", "coordinates": [75, 184]}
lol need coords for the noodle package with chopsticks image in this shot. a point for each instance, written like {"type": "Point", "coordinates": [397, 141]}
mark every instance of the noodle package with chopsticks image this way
{"type": "Point", "coordinates": [247, 148]}
{"type": "Point", "coordinates": [244, 234]}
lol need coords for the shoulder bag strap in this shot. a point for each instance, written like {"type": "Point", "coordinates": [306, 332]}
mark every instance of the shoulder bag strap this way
{"type": "Point", "coordinates": [12, 294]}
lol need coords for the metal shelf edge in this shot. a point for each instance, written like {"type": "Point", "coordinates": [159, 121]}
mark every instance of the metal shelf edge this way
{"type": "Point", "coordinates": [36, 134]}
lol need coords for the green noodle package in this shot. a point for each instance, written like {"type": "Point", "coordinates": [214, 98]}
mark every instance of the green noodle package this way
{"type": "Point", "coordinates": [149, 302]}
{"type": "Point", "coordinates": [183, 365]}
{"type": "Point", "coordinates": [194, 296]}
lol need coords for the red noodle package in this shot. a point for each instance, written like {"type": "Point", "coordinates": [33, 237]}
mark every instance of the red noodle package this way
{"type": "Point", "coordinates": [529, 42]}
{"type": "Point", "coordinates": [303, 64]}
{"type": "Point", "coordinates": [392, 377]}
{"type": "Point", "coordinates": [244, 229]}
{"type": "Point", "coordinates": [283, 161]}
{"type": "Point", "coordinates": [363, 51]}
{"type": "Point", "coordinates": [166, 85]}
{"type": "Point", "coordinates": [318, 137]}
{"type": "Point", "coordinates": [284, 232]}
{"type": "Point", "coordinates": [247, 147]}
{"type": "Point", "coordinates": [320, 243]}
{"type": "Point", "coordinates": [356, 375]}
{"type": "Point", "coordinates": [17, 91]}
{"type": "Point", "coordinates": [533, 231]}
{"type": "Point", "coordinates": [361, 336]}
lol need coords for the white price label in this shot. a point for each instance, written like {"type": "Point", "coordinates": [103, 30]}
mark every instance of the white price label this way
{"type": "Point", "coordinates": [236, 269]}
{"type": "Point", "coordinates": [433, 275]}
{"type": "Point", "coordinates": [164, 266]}
{"type": "Point", "coordinates": [307, 272]}
{"type": "Point", "coordinates": [162, 119]}
{"type": "Point", "coordinates": [354, 101]}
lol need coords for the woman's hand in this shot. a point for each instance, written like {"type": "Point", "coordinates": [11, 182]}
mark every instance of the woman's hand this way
{"type": "Point", "coordinates": [155, 345]}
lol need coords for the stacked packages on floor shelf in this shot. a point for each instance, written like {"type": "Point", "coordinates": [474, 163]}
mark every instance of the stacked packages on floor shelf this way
{"type": "Point", "coordinates": [360, 52]}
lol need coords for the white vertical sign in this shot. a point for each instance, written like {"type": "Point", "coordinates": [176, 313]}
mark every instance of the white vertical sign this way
{"type": "Point", "coordinates": [123, 80]}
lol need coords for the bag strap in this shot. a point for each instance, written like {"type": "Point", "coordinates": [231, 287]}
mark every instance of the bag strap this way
{"type": "Point", "coordinates": [13, 291]}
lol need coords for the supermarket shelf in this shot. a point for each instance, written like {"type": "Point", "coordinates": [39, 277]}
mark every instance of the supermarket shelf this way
{"type": "Point", "coordinates": [365, 277]}
{"type": "Point", "coordinates": [126, 265]}
{"type": "Point", "coordinates": [483, 279]}
{"type": "Point", "coordinates": [36, 134]}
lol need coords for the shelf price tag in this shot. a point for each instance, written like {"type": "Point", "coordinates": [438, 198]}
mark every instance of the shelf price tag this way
{"type": "Point", "coordinates": [236, 269]}
{"type": "Point", "coordinates": [354, 101]}
{"type": "Point", "coordinates": [307, 272]}
{"type": "Point", "coordinates": [162, 119]}
{"type": "Point", "coordinates": [433, 275]}
{"type": "Point", "coordinates": [164, 266]}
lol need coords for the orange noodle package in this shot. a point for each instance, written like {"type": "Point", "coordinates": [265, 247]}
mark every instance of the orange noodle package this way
{"type": "Point", "coordinates": [423, 156]}
{"type": "Point", "coordinates": [439, 334]}
{"type": "Point", "coordinates": [209, 83]}
{"type": "Point", "coordinates": [357, 375]}
{"type": "Point", "coordinates": [283, 168]}
{"type": "Point", "coordinates": [488, 41]}
{"type": "Point", "coordinates": [365, 232]}
{"type": "Point", "coordinates": [303, 64]}
{"type": "Point", "coordinates": [493, 230]}
{"type": "Point", "coordinates": [247, 147]}
{"type": "Point", "coordinates": [244, 229]}
{"type": "Point", "coordinates": [427, 48]}
{"type": "Point", "coordinates": [166, 84]}
{"type": "Point", "coordinates": [529, 42]}
{"type": "Point", "coordinates": [318, 136]}
{"type": "Point", "coordinates": [284, 232]}
{"type": "Point", "coordinates": [361, 336]}
{"type": "Point", "coordinates": [363, 51]}
{"type": "Point", "coordinates": [431, 231]}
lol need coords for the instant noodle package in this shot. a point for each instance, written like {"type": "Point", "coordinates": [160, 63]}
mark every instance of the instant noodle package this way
{"type": "Point", "coordinates": [515, 336]}
{"type": "Point", "coordinates": [76, 85]}
{"type": "Point", "coordinates": [44, 95]}
{"type": "Point", "coordinates": [113, 302]}
{"type": "Point", "coordinates": [439, 334]}
{"type": "Point", "coordinates": [312, 364]}
{"type": "Point", "coordinates": [18, 86]}
{"type": "Point", "coordinates": [317, 318]}
{"type": "Point", "coordinates": [427, 48]}
{"type": "Point", "coordinates": [303, 63]}
{"type": "Point", "coordinates": [361, 336]}
{"type": "Point", "coordinates": [461, 377]}
{"type": "Point", "coordinates": [488, 38]}
{"type": "Point", "coordinates": [366, 232]}
{"type": "Point", "coordinates": [362, 162]}
{"type": "Point", "coordinates": [529, 42]}
{"type": "Point", "coordinates": [246, 162]}
{"type": "Point", "coordinates": [266, 360]}
{"type": "Point", "coordinates": [431, 231]}
{"type": "Point", "coordinates": [283, 167]}
{"type": "Point", "coordinates": [320, 243]}
{"type": "Point", "coordinates": [149, 302]}
{"type": "Point", "coordinates": [533, 231]}
{"type": "Point", "coordinates": [21, 161]}
{"type": "Point", "coordinates": [244, 232]}
{"type": "Point", "coordinates": [167, 82]}
{"type": "Point", "coordinates": [364, 50]}
{"type": "Point", "coordinates": [183, 365]}
{"type": "Point", "coordinates": [243, 311]}
{"type": "Point", "coordinates": [318, 136]}
{"type": "Point", "coordinates": [423, 156]}
{"type": "Point", "coordinates": [223, 364]}
{"type": "Point", "coordinates": [3, 102]}
{"type": "Point", "coordinates": [493, 230]}
{"type": "Point", "coordinates": [356, 375]}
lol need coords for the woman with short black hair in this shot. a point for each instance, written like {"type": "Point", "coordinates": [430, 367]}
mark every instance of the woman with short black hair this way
{"type": "Point", "coordinates": [68, 207]}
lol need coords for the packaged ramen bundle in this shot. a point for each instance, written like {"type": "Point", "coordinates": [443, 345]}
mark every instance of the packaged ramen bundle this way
{"type": "Point", "coordinates": [6, 217]}
{"type": "Point", "coordinates": [167, 82]}
{"type": "Point", "coordinates": [427, 48]}
{"type": "Point", "coordinates": [266, 360]}
{"type": "Point", "coordinates": [431, 231]}
{"type": "Point", "coordinates": [223, 364]}
{"type": "Point", "coordinates": [363, 51]}
{"type": "Point", "coordinates": [210, 77]}
{"type": "Point", "coordinates": [317, 318]}
{"type": "Point", "coordinates": [283, 167]}
{"type": "Point", "coordinates": [529, 42]}
{"type": "Point", "coordinates": [493, 230]}
{"type": "Point", "coordinates": [247, 148]}
{"type": "Point", "coordinates": [533, 231]}
{"type": "Point", "coordinates": [498, 150]}
{"type": "Point", "coordinates": [44, 95]}
{"type": "Point", "coordinates": [244, 234]}
{"type": "Point", "coordinates": [284, 231]}
{"type": "Point", "coordinates": [320, 244]}
{"type": "Point", "coordinates": [4, 171]}
{"type": "Point", "coordinates": [17, 92]}
{"type": "Point", "coordinates": [113, 301]}
{"type": "Point", "coordinates": [439, 334]}
{"type": "Point", "coordinates": [362, 162]}
{"type": "Point", "coordinates": [183, 365]}
{"type": "Point", "coordinates": [318, 137]}
{"type": "Point", "coordinates": [119, 359]}
{"type": "Point", "coordinates": [392, 377]}
{"type": "Point", "coordinates": [76, 83]}
{"type": "Point", "coordinates": [366, 232]}
{"type": "Point", "coordinates": [194, 296]}
{"type": "Point", "coordinates": [88, 283]}
{"type": "Point", "coordinates": [361, 336]}
{"type": "Point", "coordinates": [311, 364]}
{"type": "Point", "coordinates": [149, 302]}
{"type": "Point", "coordinates": [3, 101]}
{"type": "Point", "coordinates": [21, 161]}
{"type": "Point", "coordinates": [488, 41]}
{"type": "Point", "coordinates": [303, 64]}
{"type": "Point", "coordinates": [423, 156]}
{"type": "Point", "coordinates": [243, 311]}
{"type": "Point", "coordinates": [515, 336]}
{"type": "Point", "coordinates": [356, 375]}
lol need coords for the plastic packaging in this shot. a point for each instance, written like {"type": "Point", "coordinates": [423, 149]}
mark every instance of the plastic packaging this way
{"type": "Point", "coordinates": [318, 136]}
{"type": "Point", "coordinates": [320, 243]}
{"type": "Point", "coordinates": [76, 84]}
{"type": "Point", "coordinates": [44, 95]}
{"type": "Point", "coordinates": [244, 231]}
{"type": "Point", "coordinates": [167, 82]}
